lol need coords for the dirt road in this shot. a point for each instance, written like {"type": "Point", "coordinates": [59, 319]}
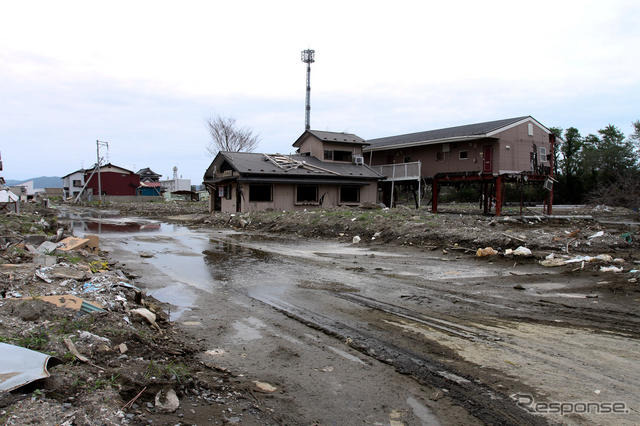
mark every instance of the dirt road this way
{"type": "Point", "coordinates": [349, 334]}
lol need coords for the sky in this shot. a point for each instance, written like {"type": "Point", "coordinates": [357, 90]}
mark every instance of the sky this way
{"type": "Point", "coordinates": [146, 75]}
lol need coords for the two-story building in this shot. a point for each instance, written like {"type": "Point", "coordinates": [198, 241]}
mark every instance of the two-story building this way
{"type": "Point", "coordinates": [491, 153]}
{"type": "Point", "coordinates": [72, 183]}
{"type": "Point", "coordinates": [327, 170]}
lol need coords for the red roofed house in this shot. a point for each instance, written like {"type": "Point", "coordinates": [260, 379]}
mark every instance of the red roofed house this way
{"type": "Point", "coordinates": [114, 180]}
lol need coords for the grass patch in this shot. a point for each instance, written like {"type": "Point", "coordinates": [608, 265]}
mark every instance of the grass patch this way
{"type": "Point", "coordinates": [34, 340]}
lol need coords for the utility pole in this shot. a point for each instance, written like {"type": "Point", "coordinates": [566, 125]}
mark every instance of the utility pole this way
{"type": "Point", "coordinates": [308, 56]}
{"type": "Point", "coordinates": [98, 144]}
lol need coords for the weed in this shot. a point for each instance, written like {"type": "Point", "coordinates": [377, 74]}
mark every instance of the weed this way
{"type": "Point", "coordinates": [34, 340]}
{"type": "Point", "coordinates": [67, 257]}
{"type": "Point", "coordinates": [97, 266]}
{"type": "Point", "coordinates": [38, 393]}
{"type": "Point", "coordinates": [178, 370]}
{"type": "Point", "coordinates": [103, 383]}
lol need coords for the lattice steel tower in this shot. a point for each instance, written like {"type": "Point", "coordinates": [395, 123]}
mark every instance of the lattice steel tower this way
{"type": "Point", "coordinates": [308, 57]}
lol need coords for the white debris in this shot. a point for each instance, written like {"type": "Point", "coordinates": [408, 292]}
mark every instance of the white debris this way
{"type": "Point", "coordinates": [596, 235]}
{"type": "Point", "coordinates": [610, 269]}
{"type": "Point", "coordinates": [356, 239]}
{"type": "Point", "coordinates": [167, 401]}
{"type": "Point", "coordinates": [522, 251]}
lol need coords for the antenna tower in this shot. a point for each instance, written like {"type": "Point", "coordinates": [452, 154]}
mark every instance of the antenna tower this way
{"type": "Point", "coordinates": [308, 56]}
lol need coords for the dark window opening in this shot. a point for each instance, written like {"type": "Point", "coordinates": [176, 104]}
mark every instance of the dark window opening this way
{"type": "Point", "coordinates": [77, 183]}
{"type": "Point", "coordinates": [227, 192]}
{"type": "Point", "coordinates": [307, 194]}
{"type": "Point", "coordinates": [463, 155]}
{"type": "Point", "coordinates": [349, 194]}
{"type": "Point", "coordinates": [328, 155]}
{"type": "Point", "coordinates": [407, 159]}
{"type": "Point", "coordinates": [260, 192]}
{"type": "Point", "coordinates": [341, 155]}
{"type": "Point", "coordinates": [439, 156]}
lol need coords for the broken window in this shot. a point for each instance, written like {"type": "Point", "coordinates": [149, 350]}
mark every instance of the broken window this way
{"type": "Point", "coordinates": [261, 192]}
{"type": "Point", "coordinates": [463, 155]}
{"type": "Point", "coordinates": [77, 183]}
{"type": "Point", "coordinates": [307, 194]}
{"type": "Point", "coordinates": [349, 194]}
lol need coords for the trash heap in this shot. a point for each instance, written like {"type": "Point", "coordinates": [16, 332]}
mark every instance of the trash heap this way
{"type": "Point", "coordinates": [80, 343]}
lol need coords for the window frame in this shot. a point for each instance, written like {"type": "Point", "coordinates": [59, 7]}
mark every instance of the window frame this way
{"type": "Point", "coordinates": [251, 192]}
{"type": "Point", "coordinates": [466, 155]}
{"type": "Point", "coordinates": [542, 153]}
{"type": "Point", "coordinates": [356, 187]}
{"type": "Point", "coordinates": [307, 202]}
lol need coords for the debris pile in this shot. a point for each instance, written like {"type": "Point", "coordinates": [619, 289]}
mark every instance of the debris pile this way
{"type": "Point", "coordinates": [89, 346]}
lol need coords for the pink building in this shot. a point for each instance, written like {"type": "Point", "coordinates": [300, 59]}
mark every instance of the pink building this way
{"type": "Point", "coordinates": [517, 149]}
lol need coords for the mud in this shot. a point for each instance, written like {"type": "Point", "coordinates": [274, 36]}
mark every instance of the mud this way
{"type": "Point", "coordinates": [404, 334]}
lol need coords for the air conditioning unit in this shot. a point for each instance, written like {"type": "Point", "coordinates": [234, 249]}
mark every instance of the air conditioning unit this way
{"type": "Point", "coordinates": [358, 160]}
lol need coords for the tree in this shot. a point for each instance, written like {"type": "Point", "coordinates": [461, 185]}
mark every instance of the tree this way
{"type": "Point", "coordinates": [557, 131]}
{"type": "Point", "coordinates": [570, 152]}
{"type": "Point", "coordinates": [225, 136]}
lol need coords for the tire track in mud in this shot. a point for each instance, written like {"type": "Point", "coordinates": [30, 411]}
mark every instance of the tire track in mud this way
{"type": "Point", "coordinates": [478, 399]}
{"type": "Point", "coordinates": [449, 327]}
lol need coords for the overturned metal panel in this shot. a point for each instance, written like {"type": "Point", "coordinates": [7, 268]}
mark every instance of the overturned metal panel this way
{"type": "Point", "coordinates": [20, 366]}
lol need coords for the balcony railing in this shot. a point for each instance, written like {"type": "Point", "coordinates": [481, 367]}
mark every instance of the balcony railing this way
{"type": "Point", "coordinates": [400, 171]}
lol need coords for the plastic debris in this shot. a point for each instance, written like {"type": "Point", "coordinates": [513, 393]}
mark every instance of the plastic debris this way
{"type": "Point", "coordinates": [146, 314]}
{"type": "Point", "coordinates": [610, 269]}
{"type": "Point", "coordinates": [627, 237]}
{"type": "Point", "coordinates": [522, 251]}
{"type": "Point", "coordinates": [596, 235]}
{"type": "Point", "coordinates": [487, 251]}
{"type": "Point", "coordinates": [356, 239]}
{"type": "Point", "coordinates": [265, 387]}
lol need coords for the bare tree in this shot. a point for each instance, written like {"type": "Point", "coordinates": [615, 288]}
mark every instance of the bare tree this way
{"type": "Point", "coordinates": [225, 136]}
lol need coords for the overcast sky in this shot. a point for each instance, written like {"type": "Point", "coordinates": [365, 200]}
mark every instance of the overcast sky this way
{"type": "Point", "coordinates": [145, 75]}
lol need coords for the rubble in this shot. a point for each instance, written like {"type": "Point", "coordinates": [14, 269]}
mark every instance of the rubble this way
{"type": "Point", "coordinates": [69, 305]}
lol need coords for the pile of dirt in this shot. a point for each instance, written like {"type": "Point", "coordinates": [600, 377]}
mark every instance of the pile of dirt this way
{"type": "Point", "coordinates": [119, 359]}
{"type": "Point", "coordinates": [461, 230]}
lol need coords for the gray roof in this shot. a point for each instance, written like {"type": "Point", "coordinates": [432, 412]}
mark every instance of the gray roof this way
{"type": "Point", "coordinates": [338, 137]}
{"type": "Point", "coordinates": [257, 164]}
{"type": "Point", "coordinates": [467, 131]}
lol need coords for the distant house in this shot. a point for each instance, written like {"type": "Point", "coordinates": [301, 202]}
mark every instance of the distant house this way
{"type": "Point", "coordinates": [148, 175]}
{"type": "Point", "coordinates": [73, 182]}
{"type": "Point", "coordinates": [489, 153]}
{"type": "Point", "coordinates": [25, 190]}
{"type": "Point", "coordinates": [150, 189]}
{"type": "Point", "coordinates": [114, 180]}
{"type": "Point", "coordinates": [327, 171]}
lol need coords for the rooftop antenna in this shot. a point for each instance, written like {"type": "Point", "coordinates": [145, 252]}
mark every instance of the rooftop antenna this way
{"type": "Point", "coordinates": [308, 56]}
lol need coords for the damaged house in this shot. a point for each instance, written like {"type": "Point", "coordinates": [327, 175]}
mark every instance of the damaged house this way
{"type": "Point", "coordinates": [489, 154]}
{"type": "Point", "coordinates": [328, 170]}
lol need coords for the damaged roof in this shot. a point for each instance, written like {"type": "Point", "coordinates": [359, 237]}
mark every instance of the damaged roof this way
{"type": "Point", "coordinates": [337, 137]}
{"type": "Point", "coordinates": [468, 131]}
{"type": "Point", "coordinates": [300, 166]}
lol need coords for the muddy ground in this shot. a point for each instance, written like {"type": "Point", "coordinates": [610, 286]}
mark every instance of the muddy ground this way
{"type": "Point", "coordinates": [129, 360]}
{"type": "Point", "coordinates": [288, 300]}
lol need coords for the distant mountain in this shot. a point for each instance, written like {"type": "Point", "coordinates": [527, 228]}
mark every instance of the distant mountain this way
{"type": "Point", "coordinates": [39, 182]}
